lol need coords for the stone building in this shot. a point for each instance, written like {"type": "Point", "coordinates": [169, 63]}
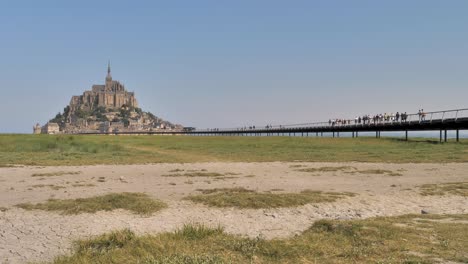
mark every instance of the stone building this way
{"type": "Point", "coordinates": [106, 108]}
{"type": "Point", "coordinates": [50, 128]}
{"type": "Point", "coordinates": [112, 94]}
{"type": "Point", "coordinates": [37, 129]}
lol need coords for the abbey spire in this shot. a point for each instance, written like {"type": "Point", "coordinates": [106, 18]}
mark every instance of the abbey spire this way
{"type": "Point", "coordinates": [108, 77]}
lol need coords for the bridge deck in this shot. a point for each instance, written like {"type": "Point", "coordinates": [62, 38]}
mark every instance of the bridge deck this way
{"type": "Point", "coordinates": [435, 121]}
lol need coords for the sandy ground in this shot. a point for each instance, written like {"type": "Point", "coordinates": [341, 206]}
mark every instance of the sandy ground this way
{"type": "Point", "coordinates": [39, 236]}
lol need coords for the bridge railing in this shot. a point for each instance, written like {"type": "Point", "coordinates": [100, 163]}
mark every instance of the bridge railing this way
{"type": "Point", "coordinates": [425, 117]}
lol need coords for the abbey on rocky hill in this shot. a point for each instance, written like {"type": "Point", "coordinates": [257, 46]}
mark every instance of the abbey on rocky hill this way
{"type": "Point", "coordinates": [105, 108]}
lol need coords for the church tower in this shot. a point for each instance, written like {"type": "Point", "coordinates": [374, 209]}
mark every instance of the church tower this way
{"type": "Point", "coordinates": [108, 78]}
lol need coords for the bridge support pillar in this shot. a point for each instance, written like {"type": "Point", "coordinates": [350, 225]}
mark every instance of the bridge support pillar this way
{"type": "Point", "coordinates": [353, 134]}
{"type": "Point", "coordinates": [333, 133]}
{"type": "Point", "coordinates": [445, 136]}
{"type": "Point", "coordinates": [316, 134]}
{"type": "Point", "coordinates": [458, 135]}
{"type": "Point", "coordinates": [406, 135]}
{"type": "Point", "coordinates": [376, 134]}
{"type": "Point", "coordinates": [440, 135]}
{"type": "Point", "coordinates": [302, 134]}
{"type": "Point", "coordinates": [321, 134]}
{"type": "Point", "coordinates": [357, 135]}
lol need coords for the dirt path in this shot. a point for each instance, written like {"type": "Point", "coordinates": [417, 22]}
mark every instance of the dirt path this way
{"type": "Point", "coordinates": [38, 235]}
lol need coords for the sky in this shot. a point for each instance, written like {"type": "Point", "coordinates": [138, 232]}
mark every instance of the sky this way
{"type": "Point", "coordinates": [217, 63]}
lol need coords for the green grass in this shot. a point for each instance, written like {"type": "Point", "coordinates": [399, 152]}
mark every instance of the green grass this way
{"type": "Point", "coordinates": [101, 149]}
{"type": "Point", "coordinates": [57, 173]}
{"type": "Point", "coordinates": [451, 188]}
{"type": "Point", "coordinates": [404, 239]}
{"type": "Point", "coordinates": [244, 198]}
{"type": "Point", "coordinates": [135, 202]}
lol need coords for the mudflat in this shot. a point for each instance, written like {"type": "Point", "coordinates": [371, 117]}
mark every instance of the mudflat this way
{"type": "Point", "coordinates": [375, 189]}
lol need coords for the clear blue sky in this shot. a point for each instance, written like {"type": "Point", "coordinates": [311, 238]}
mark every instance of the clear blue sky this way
{"type": "Point", "coordinates": [233, 63]}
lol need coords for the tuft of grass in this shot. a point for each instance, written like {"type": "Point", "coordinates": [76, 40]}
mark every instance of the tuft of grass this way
{"type": "Point", "coordinates": [101, 179]}
{"type": "Point", "coordinates": [350, 170]}
{"type": "Point", "coordinates": [3, 209]}
{"type": "Point", "coordinates": [403, 239]}
{"type": "Point", "coordinates": [52, 150]}
{"type": "Point", "coordinates": [195, 174]}
{"type": "Point", "coordinates": [51, 186]}
{"type": "Point", "coordinates": [197, 232]}
{"type": "Point", "coordinates": [57, 173]}
{"type": "Point", "coordinates": [451, 188]}
{"type": "Point", "coordinates": [277, 190]}
{"type": "Point", "coordinates": [244, 198]}
{"type": "Point", "coordinates": [135, 202]}
{"type": "Point", "coordinates": [83, 185]}
{"type": "Point", "coordinates": [296, 166]}
{"type": "Point", "coordinates": [176, 170]}
{"type": "Point", "coordinates": [377, 171]}
{"type": "Point", "coordinates": [327, 169]}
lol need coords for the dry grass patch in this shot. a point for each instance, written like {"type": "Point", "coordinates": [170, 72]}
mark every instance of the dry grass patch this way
{"type": "Point", "coordinates": [244, 198]}
{"type": "Point", "coordinates": [83, 185]}
{"type": "Point", "coordinates": [3, 209]}
{"type": "Point", "coordinates": [177, 170]}
{"type": "Point", "coordinates": [376, 171]}
{"type": "Point", "coordinates": [101, 179]}
{"type": "Point", "coordinates": [350, 170]}
{"type": "Point", "coordinates": [375, 240]}
{"type": "Point", "coordinates": [451, 188]}
{"type": "Point", "coordinates": [194, 174]}
{"type": "Point", "coordinates": [296, 166]}
{"type": "Point", "coordinates": [202, 173]}
{"type": "Point", "coordinates": [57, 173]}
{"type": "Point", "coordinates": [277, 190]}
{"type": "Point", "coordinates": [51, 186]}
{"type": "Point", "coordinates": [327, 169]}
{"type": "Point", "coordinates": [135, 202]}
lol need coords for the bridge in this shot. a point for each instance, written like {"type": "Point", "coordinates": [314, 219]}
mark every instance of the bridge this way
{"type": "Point", "coordinates": [442, 121]}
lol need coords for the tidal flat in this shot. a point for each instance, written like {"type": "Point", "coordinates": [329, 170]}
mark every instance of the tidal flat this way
{"type": "Point", "coordinates": [182, 199]}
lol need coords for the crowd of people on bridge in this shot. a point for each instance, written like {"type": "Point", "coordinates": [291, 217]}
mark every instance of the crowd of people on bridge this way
{"type": "Point", "coordinates": [371, 119]}
{"type": "Point", "coordinates": [378, 118]}
{"type": "Point", "coordinates": [364, 120]}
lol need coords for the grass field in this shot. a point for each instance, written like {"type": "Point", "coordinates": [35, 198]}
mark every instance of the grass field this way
{"type": "Point", "coordinates": [453, 188]}
{"type": "Point", "coordinates": [135, 202]}
{"type": "Point", "coordinates": [244, 198]}
{"type": "Point", "coordinates": [87, 150]}
{"type": "Point", "coordinates": [403, 239]}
